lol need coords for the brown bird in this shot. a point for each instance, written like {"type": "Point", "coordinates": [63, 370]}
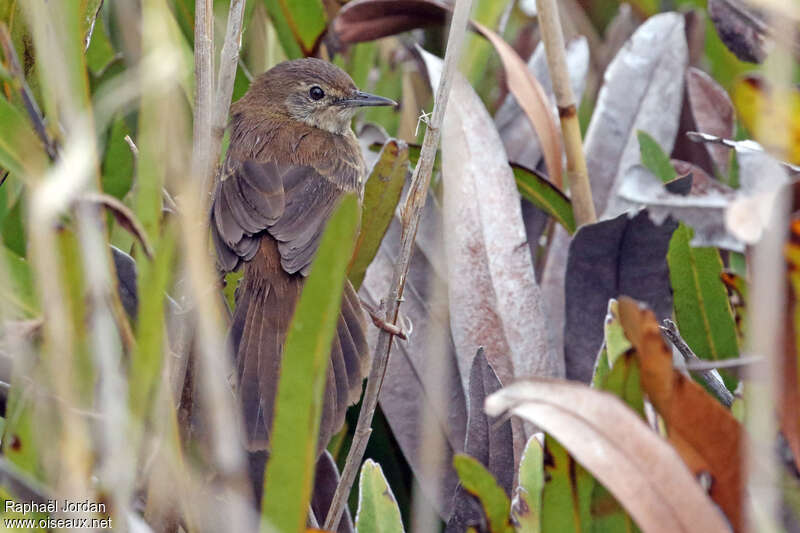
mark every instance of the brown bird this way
{"type": "Point", "coordinates": [292, 156]}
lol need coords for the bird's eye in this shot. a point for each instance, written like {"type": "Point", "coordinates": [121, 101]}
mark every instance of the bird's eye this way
{"type": "Point", "coordinates": [316, 93]}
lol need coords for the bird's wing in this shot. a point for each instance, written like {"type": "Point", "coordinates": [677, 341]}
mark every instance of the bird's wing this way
{"type": "Point", "coordinates": [291, 202]}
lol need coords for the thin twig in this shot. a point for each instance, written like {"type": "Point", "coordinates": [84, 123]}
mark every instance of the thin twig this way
{"type": "Point", "coordinates": [228, 61]}
{"type": "Point", "coordinates": [701, 366]}
{"type": "Point", "coordinates": [204, 92]}
{"type": "Point", "coordinates": [720, 390]}
{"type": "Point", "coordinates": [411, 214]}
{"type": "Point", "coordinates": [577, 172]}
{"type": "Point", "coordinates": [210, 116]}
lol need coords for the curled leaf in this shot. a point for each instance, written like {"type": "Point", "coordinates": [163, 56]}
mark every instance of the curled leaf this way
{"type": "Point", "coordinates": [124, 216]}
{"type": "Point", "coordinates": [637, 466]}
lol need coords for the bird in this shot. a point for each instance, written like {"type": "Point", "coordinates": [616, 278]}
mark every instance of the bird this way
{"type": "Point", "coordinates": [292, 156]}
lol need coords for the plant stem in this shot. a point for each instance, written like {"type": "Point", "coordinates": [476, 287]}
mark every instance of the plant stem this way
{"type": "Point", "coordinates": [577, 173]}
{"type": "Point", "coordinates": [204, 92]}
{"type": "Point", "coordinates": [412, 212]}
{"type": "Point", "coordinates": [720, 390]}
{"type": "Point", "coordinates": [228, 61]}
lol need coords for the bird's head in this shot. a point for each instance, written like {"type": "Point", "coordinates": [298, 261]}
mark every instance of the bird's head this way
{"type": "Point", "coordinates": [312, 91]}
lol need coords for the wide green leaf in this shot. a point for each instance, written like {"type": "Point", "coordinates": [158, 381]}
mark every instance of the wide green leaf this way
{"type": "Point", "coordinates": [381, 195]}
{"type": "Point", "coordinates": [702, 309]}
{"type": "Point", "coordinates": [654, 158]}
{"type": "Point", "coordinates": [479, 482]}
{"type": "Point", "coordinates": [540, 192]}
{"type": "Point", "coordinates": [566, 498]}
{"type": "Point", "coordinates": [298, 405]}
{"type": "Point", "coordinates": [527, 507]}
{"type": "Point", "coordinates": [377, 508]}
{"type": "Point", "coordinates": [298, 23]}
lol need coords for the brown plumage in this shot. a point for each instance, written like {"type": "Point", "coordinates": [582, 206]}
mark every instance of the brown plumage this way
{"type": "Point", "coordinates": [292, 155]}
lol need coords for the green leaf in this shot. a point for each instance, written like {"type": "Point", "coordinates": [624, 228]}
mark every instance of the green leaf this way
{"type": "Point", "coordinates": [527, 506]}
{"type": "Point", "coordinates": [608, 516]}
{"type": "Point", "coordinates": [12, 227]}
{"type": "Point", "coordinates": [299, 23]}
{"type": "Point", "coordinates": [702, 309]}
{"type": "Point", "coordinates": [91, 9]}
{"type": "Point", "coordinates": [566, 498]}
{"type": "Point", "coordinates": [147, 361]}
{"type": "Point", "coordinates": [183, 11]}
{"type": "Point", "coordinates": [19, 444]}
{"type": "Point", "coordinates": [117, 162]}
{"type": "Point", "coordinates": [615, 344]}
{"type": "Point", "coordinates": [381, 195]}
{"type": "Point", "coordinates": [654, 158]}
{"type": "Point", "coordinates": [7, 517]}
{"type": "Point", "coordinates": [414, 151]}
{"type": "Point", "coordinates": [476, 49]}
{"type": "Point", "coordinates": [377, 509]}
{"type": "Point", "coordinates": [616, 341]}
{"type": "Point", "coordinates": [231, 283]}
{"type": "Point", "coordinates": [623, 381]}
{"type": "Point", "coordinates": [540, 192]}
{"type": "Point", "coordinates": [21, 152]}
{"type": "Point", "coordinates": [16, 288]}
{"type": "Point", "coordinates": [389, 83]}
{"type": "Point", "coordinates": [362, 60]}
{"type": "Point", "coordinates": [481, 483]}
{"type": "Point", "coordinates": [298, 405]}
{"type": "Point", "coordinates": [100, 52]}
{"type": "Point", "coordinates": [616, 371]}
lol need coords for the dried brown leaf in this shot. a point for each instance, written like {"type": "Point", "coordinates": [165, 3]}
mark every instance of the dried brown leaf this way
{"type": "Point", "coordinates": [704, 433]}
{"type": "Point", "coordinates": [532, 98]}
{"type": "Point", "coordinates": [609, 439]}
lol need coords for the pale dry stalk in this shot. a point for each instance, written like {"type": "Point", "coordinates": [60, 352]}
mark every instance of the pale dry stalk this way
{"type": "Point", "coordinates": [577, 172]}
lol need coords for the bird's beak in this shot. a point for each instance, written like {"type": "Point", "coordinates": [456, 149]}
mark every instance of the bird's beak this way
{"type": "Point", "coordinates": [362, 99]}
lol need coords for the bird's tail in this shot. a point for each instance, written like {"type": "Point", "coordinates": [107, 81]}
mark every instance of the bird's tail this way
{"type": "Point", "coordinates": [265, 303]}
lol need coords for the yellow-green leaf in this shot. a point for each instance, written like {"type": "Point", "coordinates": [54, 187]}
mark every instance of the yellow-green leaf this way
{"type": "Point", "coordinates": [772, 117]}
{"type": "Point", "coordinates": [544, 195]}
{"type": "Point", "coordinates": [381, 195]}
{"type": "Point", "coordinates": [480, 483]}
{"type": "Point", "coordinates": [527, 506]}
{"type": "Point", "coordinates": [298, 404]}
{"type": "Point", "coordinates": [377, 508]}
{"type": "Point", "coordinates": [702, 309]}
{"type": "Point", "coordinates": [299, 23]}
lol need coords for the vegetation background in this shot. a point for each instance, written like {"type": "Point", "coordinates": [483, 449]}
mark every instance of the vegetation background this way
{"type": "Point", "coordinates": [594, 248]}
